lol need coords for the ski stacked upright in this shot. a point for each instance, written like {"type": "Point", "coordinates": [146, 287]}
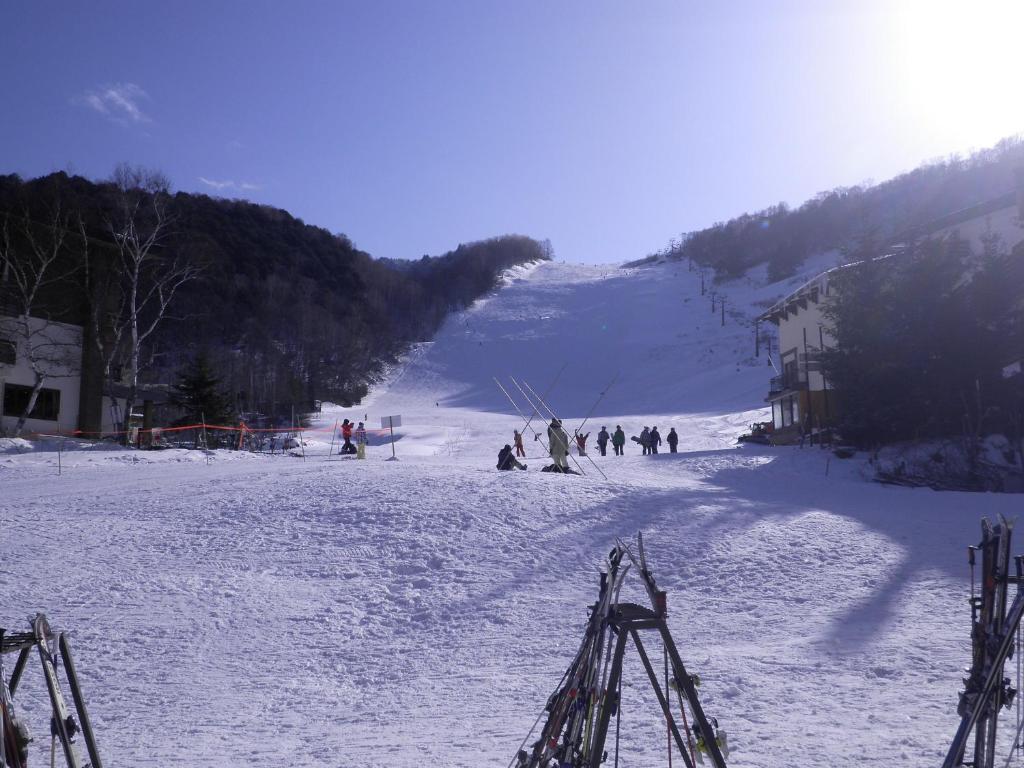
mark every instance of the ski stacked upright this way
{"type": "Point", "coordinates": [567, 735]}
{"type": "Point", "coordinates": [62, 726]}
{"type": "Point", "coordinates": [13, 737]}
{"type": "Point", "coordinates": [994, 632]}
{"type": "Point", "coordinates": [580, 711]}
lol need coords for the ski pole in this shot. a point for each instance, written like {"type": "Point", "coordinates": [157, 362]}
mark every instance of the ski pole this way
{"type": "Point", "coordinates": [548, 409]}
{"type": "Point", "coordinates": [551, 386]}
{"type": "Point", "coordinates": [520, 412]}
{"type": "Point", "coordinates": [597, 402]}
{"type": "Point", "coordinates": [537, 435]}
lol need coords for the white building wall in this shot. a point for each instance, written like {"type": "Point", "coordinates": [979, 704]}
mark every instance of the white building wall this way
{"type": "Point", "coordinates": [811, 320]}
{"type": "Point", "coordinates": [61, 338]}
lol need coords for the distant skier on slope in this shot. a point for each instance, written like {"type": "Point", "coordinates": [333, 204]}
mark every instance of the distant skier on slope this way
{"type": "Point", "coordinates": [672, 439]}
{"type": "Point", "coordinates": [517, 438]}
{"type": "Point", "coordinates": [581, 443]}
{"type": "Point", "coordinates": [558, 442]}
{"type": "Point", "coordinates": [506, 461]}
{"type": "Point", "coordinates": [645, 440]}
{"type": "Point", "coordinates": [602, 441]}
{"type": "Point", "coordinates": [655, 439]}
{"type": "Point", "coordinates": [618, 440]}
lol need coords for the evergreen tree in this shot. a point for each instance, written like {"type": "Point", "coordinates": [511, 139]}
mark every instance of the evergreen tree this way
{"type": "Point", "coordinates": [198, 393]}
{"type": "Point", "coordinates": [918, 345]}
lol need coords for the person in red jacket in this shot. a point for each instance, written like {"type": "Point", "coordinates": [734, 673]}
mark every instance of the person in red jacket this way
{"type": "Point", "coordinates": [346, 433]}
{"type": "Point", "coordinates": [518, 440]}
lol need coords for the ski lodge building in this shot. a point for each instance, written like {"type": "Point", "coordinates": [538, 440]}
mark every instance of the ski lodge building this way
{"type": "Point", "coordinates": [60, 344]}
{"type": "Point", "coordinates": [74, 395]}
{"type": "Point", "coordinates": [801, 399]}
{"type": "Point", "coordinates": [799, 394]}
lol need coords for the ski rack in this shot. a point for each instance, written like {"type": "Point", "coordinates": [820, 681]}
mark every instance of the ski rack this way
{"type": "Point", "coordinates": [580, 711]}
{"type": "Point", "coordinates": [993, 632]}
{"type": "Point", "coordinates": [62, 724]}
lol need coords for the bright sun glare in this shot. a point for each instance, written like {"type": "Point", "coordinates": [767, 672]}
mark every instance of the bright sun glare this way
{"type": "Point", "coordinates": [961, 72]}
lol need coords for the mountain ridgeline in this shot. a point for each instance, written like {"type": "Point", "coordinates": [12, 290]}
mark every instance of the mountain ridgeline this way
{"type": "Point", "coordinates": [858, 221]}
{"type": "Point", "coordinates": [285, 313]}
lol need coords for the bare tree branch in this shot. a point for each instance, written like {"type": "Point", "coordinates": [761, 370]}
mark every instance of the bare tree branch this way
{"type": "Point", "coordinates": [30, 263]}
{"type": "Point", "coordinates": [147, 278]}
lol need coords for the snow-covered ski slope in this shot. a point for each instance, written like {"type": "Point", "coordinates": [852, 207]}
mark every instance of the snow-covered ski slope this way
{"type": "Point", "coordinates": [328, 612]}
{"type": "Point", "coordinates": [645, 337]}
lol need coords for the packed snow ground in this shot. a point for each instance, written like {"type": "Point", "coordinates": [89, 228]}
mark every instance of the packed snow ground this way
{"type": "Point", "coordinates": [243, 609]}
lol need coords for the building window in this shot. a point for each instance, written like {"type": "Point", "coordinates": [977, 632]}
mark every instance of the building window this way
{"type": "Point", "coordinates": [16, 399]}
{"type": "Point", "coordinates": [8, 352]}
{"type": "Point", "coordinates": [790, 408]}
{"type": "Point", "coordinates": [791, 374]}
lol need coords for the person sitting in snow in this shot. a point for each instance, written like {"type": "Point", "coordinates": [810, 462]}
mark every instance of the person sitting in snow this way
{"type": "Point", "coordinates": [672, 439]}
{"type": "Point", "coordinates": [506, 461]}
{"type": "Point", "coordinates": [517, 438]}
{"type": "Point", "coordinates": [581, 443]}
{"type": "Point", "coordinates": [558, 444]}
{"type": "Point", "coordinates": [602, 441]}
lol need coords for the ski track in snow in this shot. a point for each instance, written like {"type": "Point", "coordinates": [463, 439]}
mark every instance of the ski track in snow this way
{"type": "Point", "coordinates": [340, 613]}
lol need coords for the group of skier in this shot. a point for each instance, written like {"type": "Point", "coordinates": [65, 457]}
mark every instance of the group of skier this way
{"type": "Point", "coordinates": [650, 439]}
{"type": "Point", "coordinates": [558, 445]}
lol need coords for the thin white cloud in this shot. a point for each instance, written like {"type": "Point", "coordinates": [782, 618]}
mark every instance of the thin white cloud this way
{"type": "Point", "coordinates": [228, 184]}
{"type": "Point", "coordinates": [119, 102]}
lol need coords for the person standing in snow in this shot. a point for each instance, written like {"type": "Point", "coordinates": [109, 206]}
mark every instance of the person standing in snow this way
{"type": "Point", "coordinates": [655, 440]}
{"type": "Point", "coordinates": [672, 440]}
{"type": "Point", "coordinates": [645, 440]}
{"type": "Point", "coordinates": [518, 440]}
{"type": "Point", "coordinates": [581, 443]}
{"type": "Point", "coordinates": [360, 441]}
{"type": "Point", "coordinates": [558, 444]}
{"type": "Point", "coordinates": [618, 440]}
{"type": "Point", "coordinates": [602, 440]}
{"type": "Point", "coordinates": [346, 433]}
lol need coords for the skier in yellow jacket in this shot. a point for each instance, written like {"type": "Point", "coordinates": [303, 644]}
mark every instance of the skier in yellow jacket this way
{"type": "Point", "coordinates": [558, 444]}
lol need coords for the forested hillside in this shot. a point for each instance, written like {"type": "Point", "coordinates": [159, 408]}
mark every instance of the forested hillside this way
{"type": "Point", "coordinates": [285, 312]}
{"type": "Point", "coordinates": [854, 220]}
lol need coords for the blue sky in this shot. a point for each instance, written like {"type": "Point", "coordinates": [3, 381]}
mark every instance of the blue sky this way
{"type": "Point", "coordinates": [608, 127]}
